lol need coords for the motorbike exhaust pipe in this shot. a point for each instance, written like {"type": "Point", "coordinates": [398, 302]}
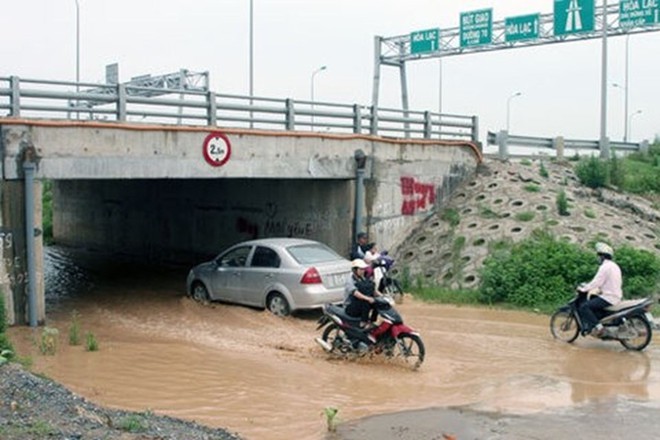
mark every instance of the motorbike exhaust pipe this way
{"type": "Point", "coordinates": [324, 345]}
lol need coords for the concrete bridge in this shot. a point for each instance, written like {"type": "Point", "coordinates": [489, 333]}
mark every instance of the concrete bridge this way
{"type": "Point", "coordinates": [179, 193]}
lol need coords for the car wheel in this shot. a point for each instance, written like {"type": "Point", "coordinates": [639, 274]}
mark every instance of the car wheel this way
{"type": "Point", "coordinates": [199, 292]}
{"type": "Point", "coordinates": [278, 305]}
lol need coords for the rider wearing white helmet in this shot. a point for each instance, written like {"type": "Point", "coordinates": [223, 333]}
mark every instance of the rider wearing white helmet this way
{"type": "Point", "coordinates": [604, 290]}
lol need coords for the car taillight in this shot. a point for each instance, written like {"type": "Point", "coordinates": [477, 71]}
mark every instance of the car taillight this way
{"type": "Point", "coordinates": [312, 276]}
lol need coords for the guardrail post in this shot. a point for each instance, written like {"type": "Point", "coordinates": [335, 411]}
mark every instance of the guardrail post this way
{"type": "Point", "coordinates": [357, 119]}
{"type": "Point", "coordinates": [15, 102]}
{"type": "Point", "coordinates": [475, 128]}
{"type": "Point", "coordinates": [558, 145]}
{"type": "Point", "coordinates": [121, 102]}
{"type": "Point", "coordinates": [428, 125]}
{"type": "Point", "coordinates": [643, 146]}
{"type": "Point", "coordinates": [502, 141]}
{"type": "Point", "coordinates": [374, 121]}
{"type": "Point", "coordinates": [212, 109]}
{"type": "Point", "coordinates": [290, 115]}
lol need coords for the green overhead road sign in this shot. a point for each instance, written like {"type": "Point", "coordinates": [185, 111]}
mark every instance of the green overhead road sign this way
{"type": "Point", "coordinates": [476, 27]}
{"type": "Point", "coordinates": [425, 41]}
{"type": "Point", "coordinates": [633, 13]}
{"type": "Point", "coordinates": [574, 16]}
{"type": "Point", "coordinates": [522, 27]}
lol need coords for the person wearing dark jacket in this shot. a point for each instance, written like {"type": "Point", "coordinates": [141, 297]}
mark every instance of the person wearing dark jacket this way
{"type": "Point", "coordinates": [360, 246]}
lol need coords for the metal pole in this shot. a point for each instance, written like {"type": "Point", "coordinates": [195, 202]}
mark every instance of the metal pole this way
{"type": "Point", "coordinates": [28, 169]}
{"type": "Point", "coordinates": [604, 147]}
{"type": "Point", "coordinates": [77, 54]}
{"type": "Point", "coordinates": [360, 166]}
{"type": "Point", "coordinates": [439, 97]}
{"type": "Point", "coordinates": [625, 111]}
{"type": "Point", "coordinates": [312, 90]}
{"type": "Point", "coordinates": [508, 109]}
{"type": "Point", "coordinates": [251, 62]}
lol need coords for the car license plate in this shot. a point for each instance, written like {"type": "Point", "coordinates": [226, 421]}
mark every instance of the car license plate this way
{"type": "Point", "coordinates": [338, 279]}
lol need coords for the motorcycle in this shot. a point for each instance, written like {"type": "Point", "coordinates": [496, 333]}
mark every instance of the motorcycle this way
{"type": "Point", "coordinates": [344, 337]}
{"type": "Point", "coordinates": [630, 322]}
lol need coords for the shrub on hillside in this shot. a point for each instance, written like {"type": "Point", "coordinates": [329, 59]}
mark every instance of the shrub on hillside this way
{"type": "Point", "coordinates": [543, 272]}
{"type": "Point", "coordinates": [540, 271]}
{"type": "Point", "coordinates": [592, 172]}
{"type": "Point", "coordinates": [640, 269]}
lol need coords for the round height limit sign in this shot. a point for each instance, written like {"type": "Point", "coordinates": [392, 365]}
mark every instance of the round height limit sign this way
{"type": "Point", "coordinates": [217, 149]}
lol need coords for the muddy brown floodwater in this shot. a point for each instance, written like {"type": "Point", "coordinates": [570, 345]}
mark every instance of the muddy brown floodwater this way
{"type": "Point", "coordinates": [265, 378]}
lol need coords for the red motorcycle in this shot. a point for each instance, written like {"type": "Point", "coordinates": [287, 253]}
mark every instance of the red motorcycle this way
{"type": "Point", "coordinates": [344, 337]}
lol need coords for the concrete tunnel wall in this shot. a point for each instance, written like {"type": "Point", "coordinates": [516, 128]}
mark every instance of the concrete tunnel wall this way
{"type": "Point", "coordinates": [176, 221]}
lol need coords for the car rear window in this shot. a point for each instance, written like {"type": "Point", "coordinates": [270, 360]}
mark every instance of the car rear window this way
{"type": "Point", "coordinates": [312, 253]}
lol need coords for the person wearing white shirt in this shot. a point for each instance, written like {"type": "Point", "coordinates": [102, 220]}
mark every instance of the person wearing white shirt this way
{"type": "Point", "coordinates": [605, 290]}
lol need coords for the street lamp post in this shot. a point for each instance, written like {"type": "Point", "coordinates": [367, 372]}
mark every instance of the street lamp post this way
{"type": "Point", "coordinates": [508, 109]}
{"type": "Point", "coordinates": [320, 69]}
{"type": "Point", "coordinates": [251, 62]}
{"type": "Point", "coordinates": [630, 121]}
{"type": "Point", "coordinates": [77, 54]}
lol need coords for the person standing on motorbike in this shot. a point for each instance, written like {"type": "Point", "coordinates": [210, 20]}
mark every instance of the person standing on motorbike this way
{"type": "Point", "coordinates": [603, 291]}
{"type": "Point", "coordinates": [360, 246]}
{"type": "Point", "coordinates": [360, 293]}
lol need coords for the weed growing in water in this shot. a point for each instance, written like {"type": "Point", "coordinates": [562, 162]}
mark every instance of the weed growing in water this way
{"type": "Point", "coordinates": [49, 340]}
{"type": "Point", "coordinates": [74, 329]}
{"type": "Point", "coordinates": [91, 344]}
{"type": "Point", "coordinates": [331, 417]}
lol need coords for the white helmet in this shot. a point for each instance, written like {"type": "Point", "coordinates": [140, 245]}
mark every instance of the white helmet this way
{"type": "Point", "coordinates": [359, 264]}
{"type": "Point", "coordinates": [602, 248]}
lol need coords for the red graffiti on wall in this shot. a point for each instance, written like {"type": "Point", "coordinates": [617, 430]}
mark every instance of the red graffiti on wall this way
{"type": "Point", "coordinates": [417, 196]}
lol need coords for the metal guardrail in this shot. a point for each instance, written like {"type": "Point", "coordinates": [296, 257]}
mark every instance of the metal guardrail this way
{"type": "Point", "coordinates": [558, 145]}
{"type": "Point", "coordinates": [30, 98]}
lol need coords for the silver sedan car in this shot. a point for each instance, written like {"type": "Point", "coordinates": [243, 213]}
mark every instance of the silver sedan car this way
{"type": "Point", "coordinates": [280, 274]}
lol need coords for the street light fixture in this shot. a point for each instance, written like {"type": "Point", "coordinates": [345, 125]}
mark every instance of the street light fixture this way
{"type": "Point", "coordinates": [508, 109]}
{"type": "Point", "coordinates": [77, 54]}
{"type": "Point", "coordinates": [320, 69]}
{"type": "Point", "coordinates": [630, 120]}
{"type": "Point", "coordinates": [625, 92]}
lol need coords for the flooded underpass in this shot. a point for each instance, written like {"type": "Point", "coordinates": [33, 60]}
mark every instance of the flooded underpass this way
{"type": "Point", "coordinates": [265, 378]}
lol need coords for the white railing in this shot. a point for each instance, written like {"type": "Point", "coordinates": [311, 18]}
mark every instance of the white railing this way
{"type": "Point", "coordinates": [29, 98]}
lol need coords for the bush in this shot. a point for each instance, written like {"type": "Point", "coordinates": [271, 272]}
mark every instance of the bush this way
{"type": "Point", "coordinates": [617, 172]}
{"type": "Point", "coordinates": [640, 269]}
{"type": "Point", "coordinates": [451, 216]}
{"type": "Point", "coordinates": [562, 203]}
{"type": "Point", "coordinates": [592, 172]}
{"type": "Point", "coordinates": [538, 272]}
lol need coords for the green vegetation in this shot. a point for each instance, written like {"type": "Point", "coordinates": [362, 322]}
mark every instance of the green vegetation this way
{"type": "Point", "coordinates": [49, 340]}
{"type": "Point", "coordinates": [6, 349]}
{"type": "Point", "coordinates": [589, 213]}
{"type": "Point", "coordinates": [638, 173]}
{"type": "Point", "coordinates": [541, 273]}
{"type": "Point", "coordinates": [74, 329]}
{"type": "Point", "coordinates": [532, 187]}
{"type": "Point", "coordinates": [331, 417]}
{"type": "Point", "coordinates": [562, 203]}
{"type": "Point", "coordinates": [525, 216]}
{"type": "Point", "coordinates": [91, 344]}
{"type": "Point", "coordinates": [451, 216]}
{"type": "Point", "coordinates": [543, 171]}
{"type": "Point", "coordinates": [134, 423]}
{"type": "Point", "coordinates": [525, 162]}
{"type": "Point", "coordinates": [38, 429]}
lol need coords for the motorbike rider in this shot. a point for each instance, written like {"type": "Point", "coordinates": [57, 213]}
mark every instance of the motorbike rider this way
{"type": "Point", "coordinates": [360, 246]}
{"type": "Point", "coordinates": [360, 293]}
{"type": "Point", "coordinates": [603, 290]}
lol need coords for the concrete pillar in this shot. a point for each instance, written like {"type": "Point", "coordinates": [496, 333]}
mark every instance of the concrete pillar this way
{"type": "Point", "coordinates": [502, 142]}
{"type": "Point", "coordinates": [13, 253]}
{"type": "Point", "coordinates": [558, 145]}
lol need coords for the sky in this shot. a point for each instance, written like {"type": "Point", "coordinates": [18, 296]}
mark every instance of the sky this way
{"type": "Point", "coordinates": [559, 84]}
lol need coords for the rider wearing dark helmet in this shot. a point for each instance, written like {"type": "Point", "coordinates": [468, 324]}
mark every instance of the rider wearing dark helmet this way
{"type": "Point", "coordinates": [603, 291]}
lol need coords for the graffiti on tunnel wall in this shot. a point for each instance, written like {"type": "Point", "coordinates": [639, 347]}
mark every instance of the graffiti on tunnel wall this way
{"type": "Point", "coordinates": [417, 196]}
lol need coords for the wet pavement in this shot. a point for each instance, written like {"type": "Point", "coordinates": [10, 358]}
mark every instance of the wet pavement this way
{"type": "Point", "coordinates": [265, 378]}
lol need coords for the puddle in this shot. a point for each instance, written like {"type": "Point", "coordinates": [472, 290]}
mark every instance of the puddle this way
{"type": "Point", "coordinates": [265, 378]}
